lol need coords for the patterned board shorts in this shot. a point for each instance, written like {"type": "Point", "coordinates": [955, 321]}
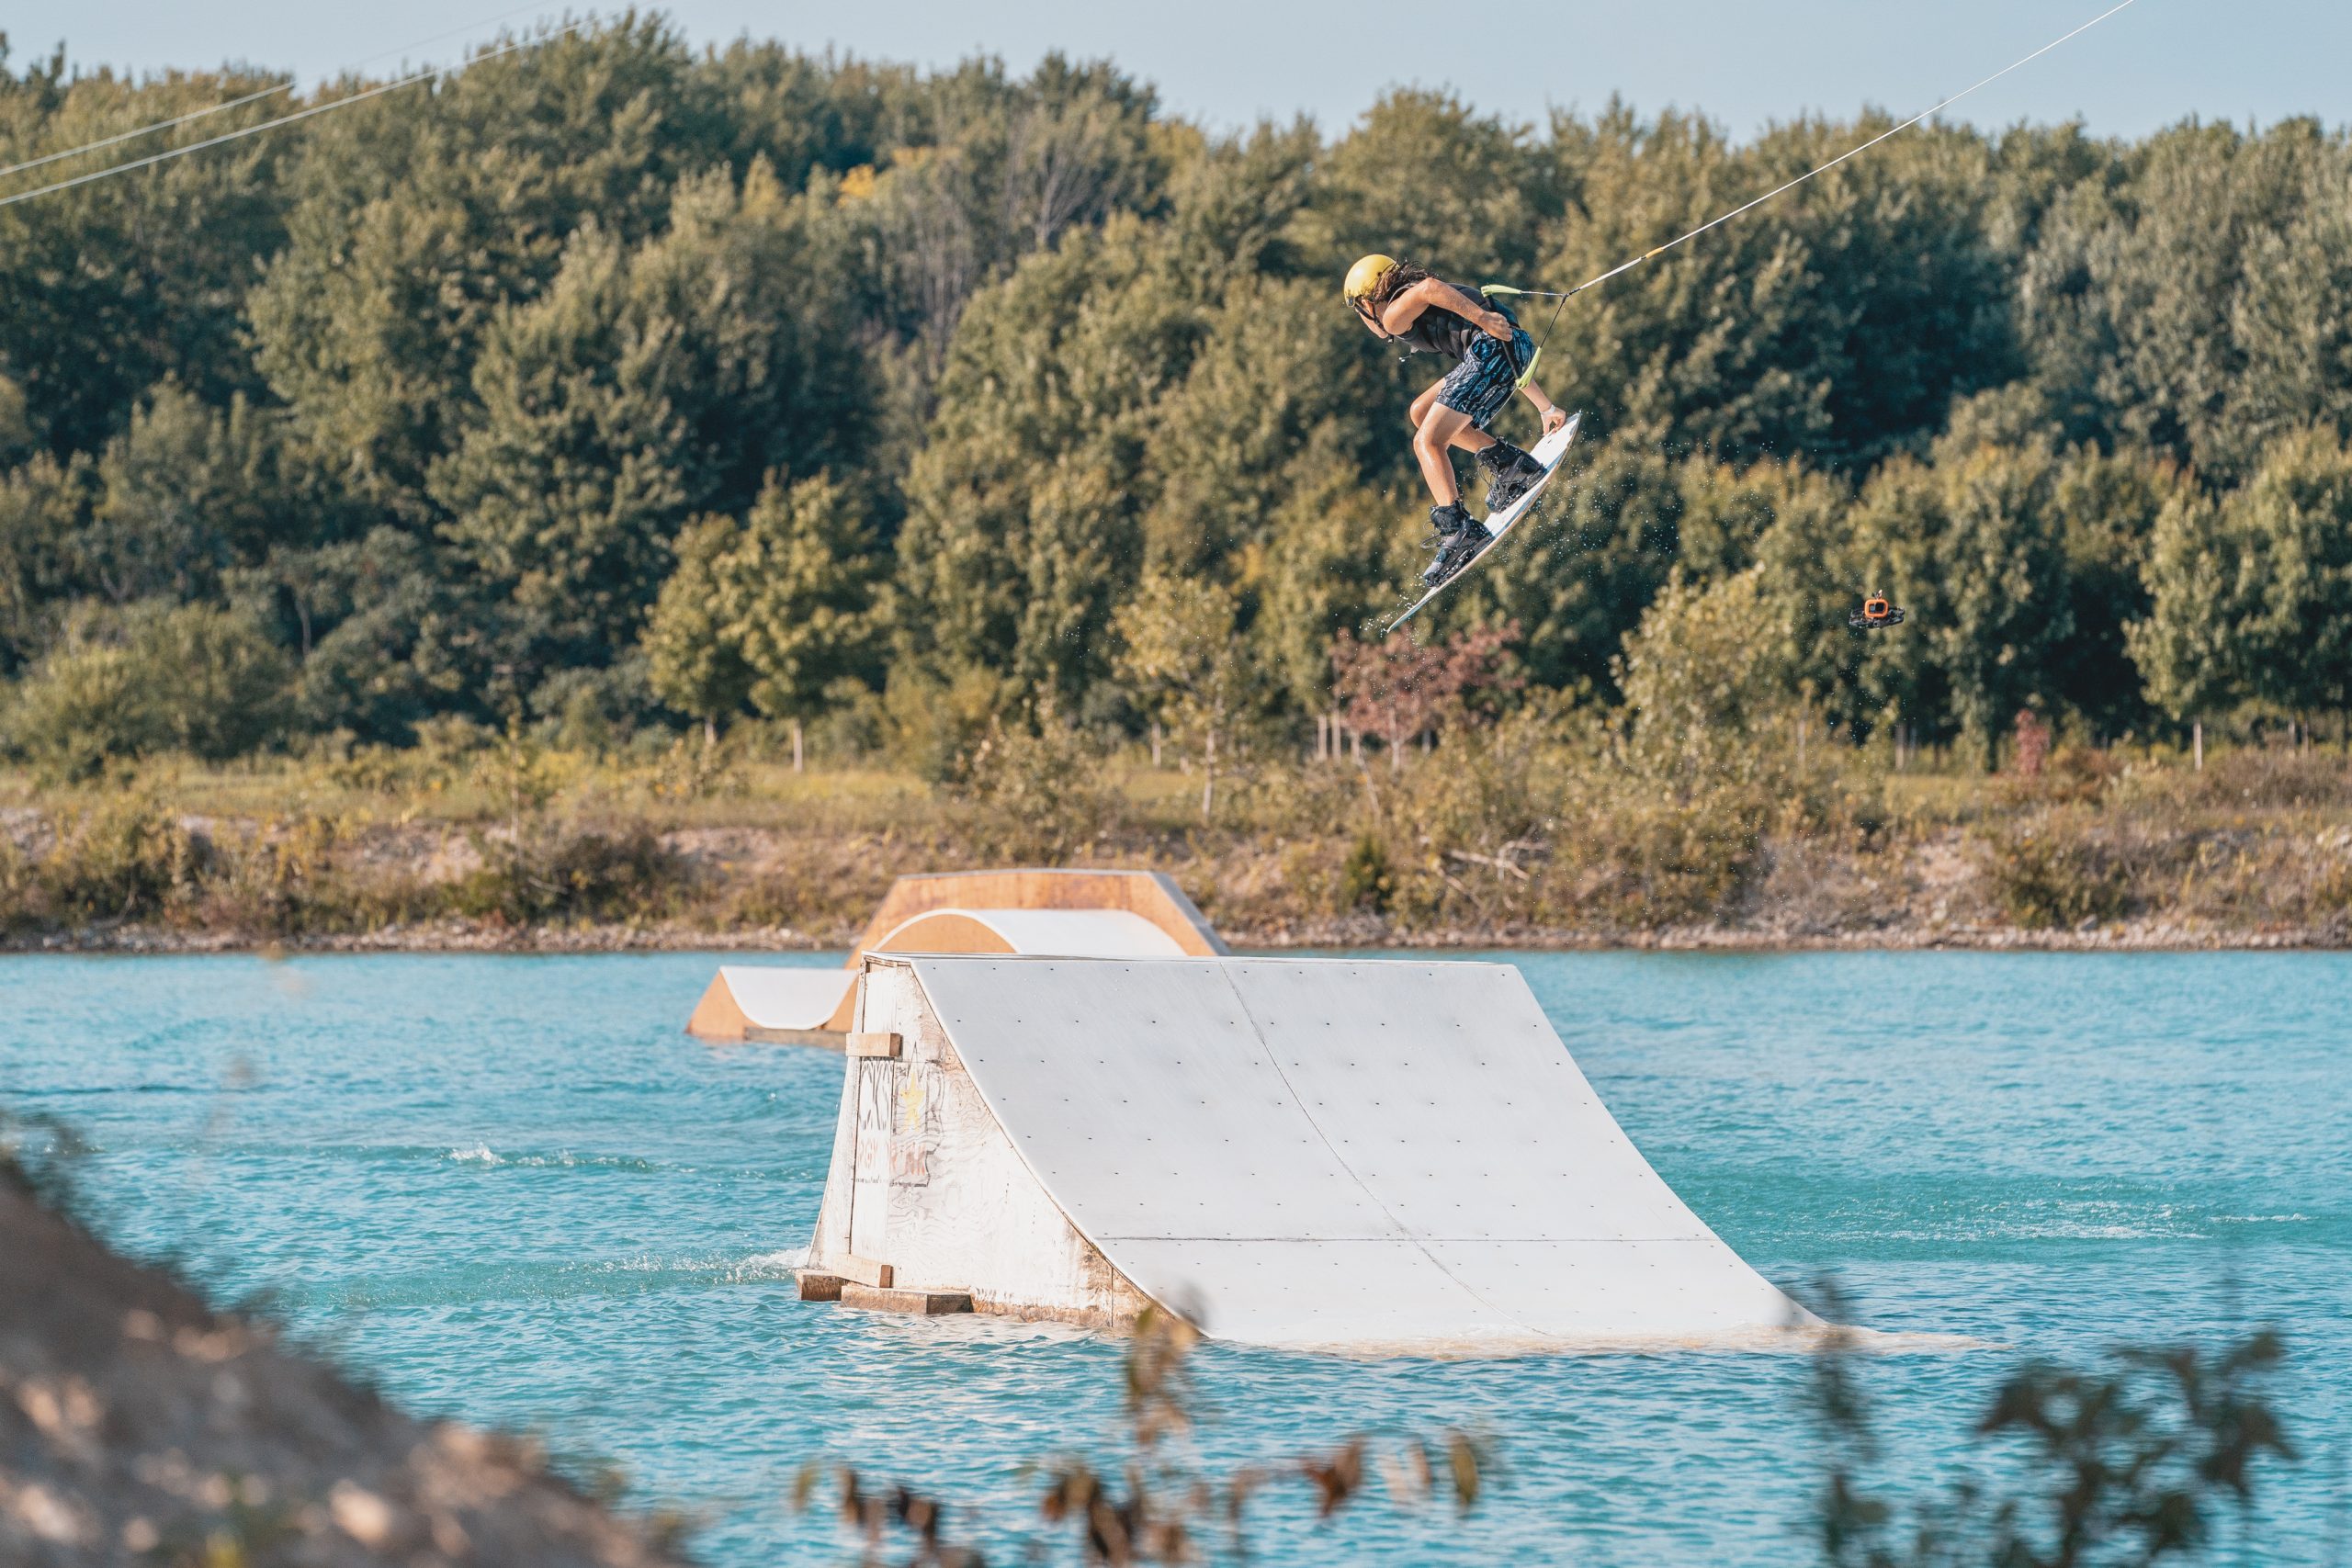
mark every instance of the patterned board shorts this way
{"type": "Point", "coordinates": [1483, 383]}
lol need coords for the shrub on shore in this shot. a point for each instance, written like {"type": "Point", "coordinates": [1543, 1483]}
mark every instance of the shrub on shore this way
{"type": "Point", "coordinates": [122, 857]}
{"type": "Point", "coordinates": [150, 678]}
{"type": "Point", "coordinates": [552, 873]}
{"type": "Point", "coordinates": [2050, 874]}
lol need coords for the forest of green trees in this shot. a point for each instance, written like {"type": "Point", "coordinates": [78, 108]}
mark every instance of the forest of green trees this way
{"type": "Point", "coordinates": [616, 390]}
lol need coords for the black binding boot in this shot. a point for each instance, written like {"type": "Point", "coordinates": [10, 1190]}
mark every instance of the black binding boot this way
{"type": "Point", "coordinates": [1458, 538]}
{"type": "Point", "coordinates": [1515, 473]}
{"type": "Point", "coordinates": [1446, 521]}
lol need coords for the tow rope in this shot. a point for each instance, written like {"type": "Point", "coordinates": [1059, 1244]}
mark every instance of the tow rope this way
{"type": "Point", "coordinates": [328, 106]}
{"type": "Point", "coordinates": [1564, 296]}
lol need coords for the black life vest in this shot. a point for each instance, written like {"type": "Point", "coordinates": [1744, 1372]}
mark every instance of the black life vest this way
{"type": "Point", "coordinates": [1439, 330]}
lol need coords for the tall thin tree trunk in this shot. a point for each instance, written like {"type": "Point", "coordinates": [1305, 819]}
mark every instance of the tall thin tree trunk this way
{"type": "Point", "coordinates": [2197, 743]}
{"type": "Point", "coordinates": [709, 732]}
{"type": "Point", "coordinates": [1208, 776]}
{"type": "Point", "coordinates": [1355, 745]}
{"type": "Point", "coordinates": [796, 757]}
{"type": "Point", "coordinates": [1155, 743]}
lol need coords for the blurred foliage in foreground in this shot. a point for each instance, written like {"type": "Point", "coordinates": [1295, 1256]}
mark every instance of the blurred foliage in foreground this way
{"type": "Point", "coordinates": [1156, 1501]}
{"type": "Point", "coordinates": [2130, 1463]}
{"type": "Point", "coordinates": [612, 391]}
{"type": "Point", "coordinates": [2124, 1465]}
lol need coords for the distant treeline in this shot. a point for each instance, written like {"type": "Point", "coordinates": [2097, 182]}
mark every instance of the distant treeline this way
{"type": "Point", "coordinates": [611, 387]}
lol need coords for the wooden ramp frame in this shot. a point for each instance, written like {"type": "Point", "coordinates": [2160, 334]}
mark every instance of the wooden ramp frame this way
{"type": "Point", "coordinates": [1107, 914]}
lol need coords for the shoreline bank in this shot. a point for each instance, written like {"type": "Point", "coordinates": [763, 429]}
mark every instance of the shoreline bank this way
{"type": "Point", "coordinates": [2254, 854]}
{"type": "Point", "coordinates": [455, 936]}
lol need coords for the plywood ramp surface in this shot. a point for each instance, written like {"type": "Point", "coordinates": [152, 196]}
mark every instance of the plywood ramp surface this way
{"type": "Point", "coordinates": [1151, 895]}
{"type": "Point", "coordinates": [770, 997]}
{"type": "Point", "coordinates": [809, 1001]}
{"type": "Point", "coordinates": [1338, 1153]}
{"type": "Point", "coordinates": [1061, 933]}
{"type": "Point", "coordinates": [1108, 914]}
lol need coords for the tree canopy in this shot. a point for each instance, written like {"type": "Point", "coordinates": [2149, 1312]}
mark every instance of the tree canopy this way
{"type": "Point", "coordinates": [686, 387]}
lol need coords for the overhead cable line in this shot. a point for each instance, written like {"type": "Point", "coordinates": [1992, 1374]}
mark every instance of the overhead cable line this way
{"type": "Point", "coordinates": [146, 129]}
{"type": "Point", "coordinates": [286, 86]}
{"type": "Point", "coordinates": [375, 92]}
{"type": "Point", "coordinates": [1809, 173]}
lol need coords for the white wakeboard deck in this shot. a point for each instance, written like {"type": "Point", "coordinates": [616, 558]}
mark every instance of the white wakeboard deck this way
{"type": "Point", "coordinates": [1339, 1153]}
{"type": "Point", "coordinates": [1548, 451]}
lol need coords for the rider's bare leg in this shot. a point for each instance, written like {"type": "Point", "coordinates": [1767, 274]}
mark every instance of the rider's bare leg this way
{"type": "Point", "coordinates": [1469, 439]}
{"type": "Point", "coordinates": [1440, 430]}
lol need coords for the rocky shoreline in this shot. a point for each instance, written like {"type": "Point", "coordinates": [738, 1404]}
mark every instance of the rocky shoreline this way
{"type": "Point", "coordinates": [1356, 932]}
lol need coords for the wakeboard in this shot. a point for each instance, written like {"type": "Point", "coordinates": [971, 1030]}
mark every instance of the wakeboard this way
{"type": "Point", "coordinates": [1548, 451]}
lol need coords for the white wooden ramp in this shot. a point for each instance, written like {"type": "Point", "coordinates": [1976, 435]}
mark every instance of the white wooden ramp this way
{"type": "Point", "coordinates": [1338, 1153]}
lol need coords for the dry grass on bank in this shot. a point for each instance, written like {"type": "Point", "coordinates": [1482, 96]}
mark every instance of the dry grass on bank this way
{"type": "Point", "coordinates": [1535, 830]}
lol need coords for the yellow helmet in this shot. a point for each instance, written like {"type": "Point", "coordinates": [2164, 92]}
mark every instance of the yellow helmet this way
{"type": "Point", "coordinates": [1365, 276]}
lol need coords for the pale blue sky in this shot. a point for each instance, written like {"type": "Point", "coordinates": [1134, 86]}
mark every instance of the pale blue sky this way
{"type": "Point", "coordinates": [1228, 62]}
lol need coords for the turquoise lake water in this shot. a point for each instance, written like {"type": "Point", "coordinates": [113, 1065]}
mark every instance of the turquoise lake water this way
{"type": "Point", "coordinates": [509, 1189]}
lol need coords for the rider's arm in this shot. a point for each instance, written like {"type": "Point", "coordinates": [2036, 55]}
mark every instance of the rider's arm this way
{"type": "Point", "coordinates": [1544, 407]}
{"type": "Point", "coordinates": [1406, 308]}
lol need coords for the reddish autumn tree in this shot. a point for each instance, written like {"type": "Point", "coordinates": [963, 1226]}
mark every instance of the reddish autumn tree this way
{"type": "Point", "coordinates": [2033, 738]}
{"type": "Point", "coordinates": [1400, 690]}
